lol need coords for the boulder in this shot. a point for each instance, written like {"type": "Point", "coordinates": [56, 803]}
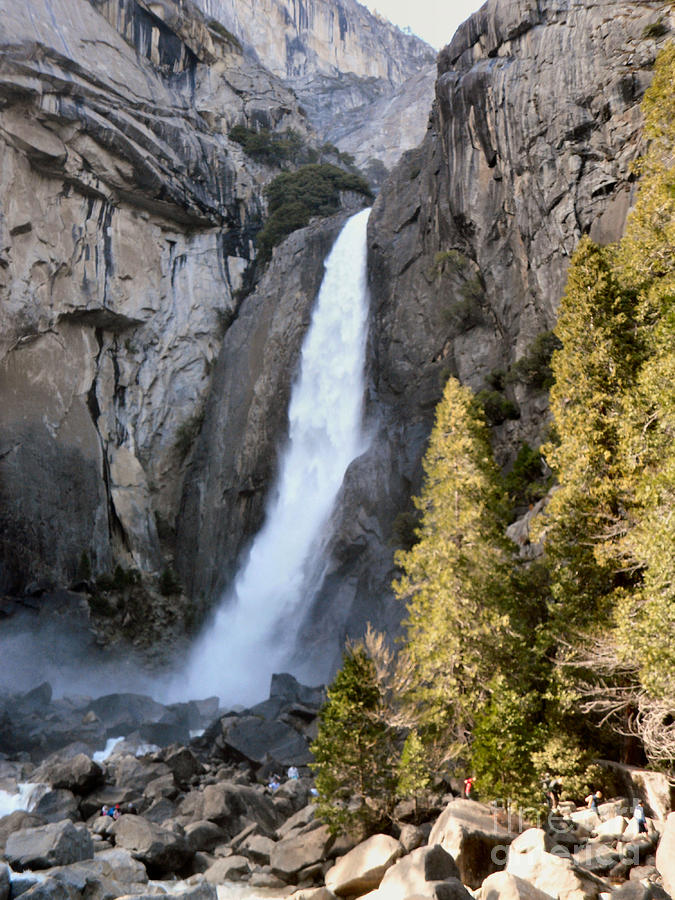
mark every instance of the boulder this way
{"type": "Point", "coordinates": [529, 858]}
{"type": "Point", "coordinates": [258, 848]}
{"type": "Point", "coordinates": [504, 886]}
{"type": "Point", "coordinates": [78, 774]}
{"type": "Point", "coordinates": [161, 851]}
{"type": "Point", "coordinates": [298, 820]}
{"type": "Point", "coordinates": [449, 889]}
{"type": "Point", "coordinates": [120, 865]}
{"type": "Point", "coordinates": [411, 837]}
{"type": "Point", "coordinates": [50, 889]}
{"type": "Point", "coordinates": [297, 852]}
{"type": "Point", "coordinates": [586, 818]}
{"type": "Point", "coordinates": [57, 805]}
{"type": "Point", "coordinates": [613, 827]}
{"type": "Point", "coordinates": [231, 868]}
{"type": "Point", "coordinates": [55, 844]}
{"type": "Point", "coordinates": [665, 855]}
{"type": "Point", "coordinates": [4, 882]}
{"type": "Point", "coordinates": [17, 821]}
{"type": "Point", "coordinates": [472, 836]}
{"type": "Point", "coordinates": [204, 835]}
{"type": "Point", "coordinates": [134, 775]}
{"type": "Point", "coordinates": [183, 764]}
{"type": "Point", "coordinates": [597, 858]}
{"type": "Point", "coordinates": [289, 689]}
{"type": "Point", "coordinates": [259, 741]}
{"type": "Point", "coordinates": [201, 891]}
{"type": "Point", "coordinates": [361, 869]}
{"type": "Point", "coordinates": [23, 882]}
{"type": "Point", "coordinates": [419, 873]}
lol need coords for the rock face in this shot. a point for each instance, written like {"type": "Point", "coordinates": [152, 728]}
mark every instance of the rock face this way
{"type": "Point", "coordinates": [234, 461]}
{"type": "Point", "coordinates": [123, 236]}
{"type": "Point", "coordinates": [365, 85]}
{"type": "Point", "coordinates": [298, 39]}
{"type": "Point", "coordinates": [535, 125]}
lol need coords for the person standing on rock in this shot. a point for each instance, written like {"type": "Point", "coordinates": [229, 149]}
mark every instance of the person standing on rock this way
{"type": "Point", "coordinates": [468, 786]}
{"type": "Point", "coordinates": [640, 818]}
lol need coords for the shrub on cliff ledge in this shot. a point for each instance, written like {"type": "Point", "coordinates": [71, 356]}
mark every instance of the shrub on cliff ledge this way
{"type": "Point", "coordinates": [295, 197]}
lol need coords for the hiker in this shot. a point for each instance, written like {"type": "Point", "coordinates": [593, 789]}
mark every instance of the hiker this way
{"type": "Point", "coordinates": [552, 788]}
{"type": "Point", "coordinates": [640, 818]}
{"type": "Point", "coordinates": [468, 786]}
{"type": "Point", "coordinates": [592, 800]}
{"type": "Point", "coordinates": [104, 810]}
{"type": "Point", "coordinates": [293, 773]}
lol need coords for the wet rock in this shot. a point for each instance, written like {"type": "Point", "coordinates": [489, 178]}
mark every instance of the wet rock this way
{"type": "Point", "coordinates": [53, 806]}
{"type": "Point", "coordinates": [55, 844]}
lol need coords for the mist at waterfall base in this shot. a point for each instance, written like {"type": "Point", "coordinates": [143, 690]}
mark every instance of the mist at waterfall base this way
{"type": "Point", "coordinates": [253, 633]}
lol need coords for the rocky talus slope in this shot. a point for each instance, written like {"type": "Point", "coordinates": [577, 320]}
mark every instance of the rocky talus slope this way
{"type": "Point", "coordinates": [217, 811]}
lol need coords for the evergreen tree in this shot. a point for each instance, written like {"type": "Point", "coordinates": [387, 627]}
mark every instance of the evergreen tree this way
{"type": "Point", "coordinates": [413, 772]}
{"type": "Point", "coordinates": [354, 752]}
{"type": "Point", "coordinates": [453, 578]}
{"type": "Point", "coordinates": [592, 371]}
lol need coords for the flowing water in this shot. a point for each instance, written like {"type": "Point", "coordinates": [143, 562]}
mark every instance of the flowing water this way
{"type": "Point", "coordinates": [254, 631]}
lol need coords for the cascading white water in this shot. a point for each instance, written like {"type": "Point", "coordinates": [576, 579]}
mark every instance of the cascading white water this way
{"type": "Point", "coordinates": [254, 630]}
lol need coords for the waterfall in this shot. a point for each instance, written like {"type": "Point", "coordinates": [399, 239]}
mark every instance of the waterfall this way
{"type": "Point", "coordinates": [253, 633]}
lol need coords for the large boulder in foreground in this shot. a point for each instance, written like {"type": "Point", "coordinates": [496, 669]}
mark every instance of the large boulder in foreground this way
{"type": "Point", "coordinates": [555, 875]}
{"type": "Point", "coordinates": [420, 873]}
{"type": "Point", "coordinates": [161, 851]}
{"type": "Point", "coordinates": [55, 844]}
{"type": "Point", "coordinates": [665, 855]}
{"type": "Point", "coordinates": [362, 868]}
{"type": "Point", "coordinates": [472, 836]}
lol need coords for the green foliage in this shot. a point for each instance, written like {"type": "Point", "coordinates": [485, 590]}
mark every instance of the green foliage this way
{"type": "Point", "coordinates": [506, 733]}
{"type": "Point", "coordinates": [295, 197]}
{"type": "Point", "coordinates": [526, 482]}
{"type": "Point", "coordinates": [654, 30]}
{"type": "Point", "coordinates": [119, 580]}
{"type": "Point", "coordinates": [223, 33]}
{"type": "Point", "coordinates": [169, 583]}
{"type": "Point", "coordinates": [268, 146]}
{"type": "Point", "coordinates": [534, 368]}
{"type": "Point", "coordinates": [413, 772]}
{"type": "Point", "coordinates": [563, 758]}
{"type": "Point", "coordinates": [453, 577]}
{"type": "Point", "coordinates": [354, 749]}
{"type": "Point", "coordinates": [84, 567]}
{"type": "Point", "coordinates": [496, 407]}
{"type": "Point", "coordinates": [404, 529]}
{"type": "Point", "coordinates": [186, 434]}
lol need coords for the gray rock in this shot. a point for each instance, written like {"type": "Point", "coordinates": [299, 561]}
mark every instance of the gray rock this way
{"type": "Point", "coordinates": [204, 835]}
{"type": "Point", "coordinates": [469, 832]}
{"type": "Point", "coordinates": [294, 853]}
{"type": "Point", "coordinates": [232, 868]}
{"type": "Point", "coordinates": [418, 873]}
{"type": "Point", "coordinates": [17, 821]}
{"type": "Point", "coordinates": [55, 844]}
{"type": "Point", "coordinates": [5, 882]}
{"type": "Point", "coordinates": [363, 868]}
{"type": "Point", "coordinates": [161, 851]}
{"type": "Point", "coordinates": [56, 805]}
{"type": "Point", "coordinates": [78, 774]}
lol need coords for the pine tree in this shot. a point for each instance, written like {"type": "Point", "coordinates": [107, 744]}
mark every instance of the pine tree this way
{"type": "Point", "coordinates": [592, 371]}
{"type": "Point", "coordinates": [354, 752]}
{"type": "Point", "coordinates": [454, 577]}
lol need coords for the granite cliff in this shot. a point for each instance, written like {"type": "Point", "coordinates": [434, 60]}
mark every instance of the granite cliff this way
{"type": "Point", "coordinates": [126, 225]}
{"type": "Point", "coordinates": [533, 131]}
{"type": "Point", "coordinates": [365, 85]}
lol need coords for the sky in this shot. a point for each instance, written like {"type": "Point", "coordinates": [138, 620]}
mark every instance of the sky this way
{"type": "Point", "coordinates": [435, 21]}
